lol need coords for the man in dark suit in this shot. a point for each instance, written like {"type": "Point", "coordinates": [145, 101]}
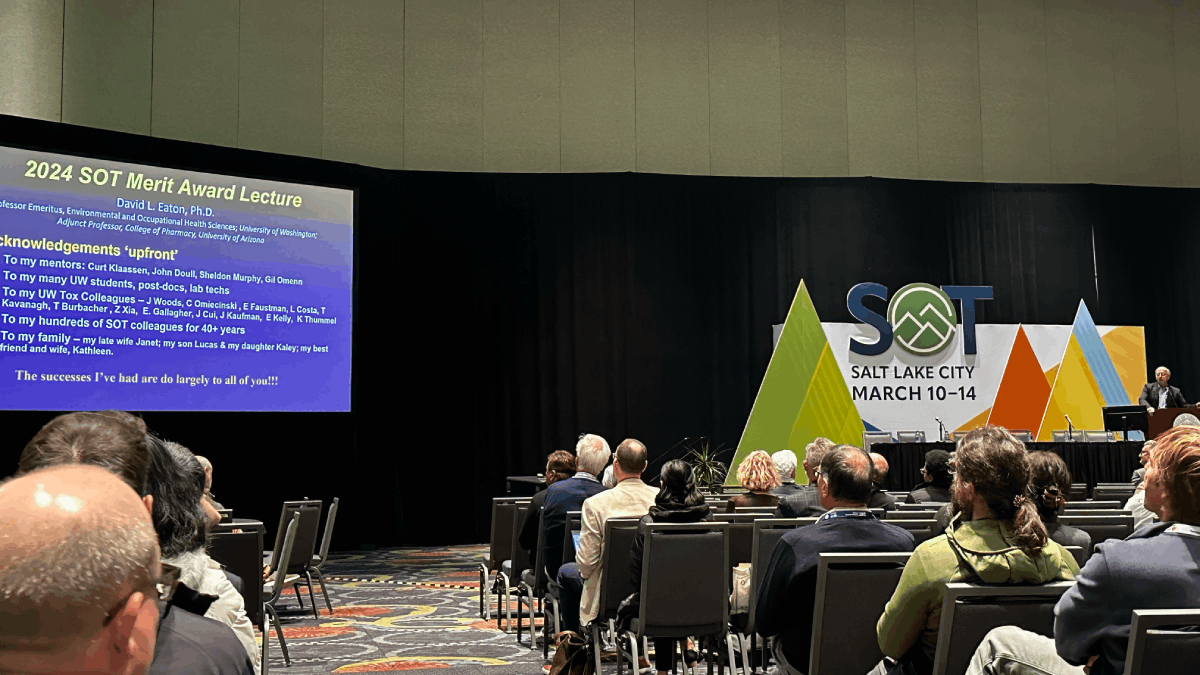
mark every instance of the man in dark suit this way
{"type": "Point", "coordinates": [591, 454]}
{"type": "Point", "coordinates": [879, 498]}
{"type": "Point", "coordinates": [1158, 394]}
{"type": "Point", "coordinates": [560, 465]}
{"type": "Point", "coordinates": [806, 502]}
{"type": "Point", "coordinates": [788, 590]}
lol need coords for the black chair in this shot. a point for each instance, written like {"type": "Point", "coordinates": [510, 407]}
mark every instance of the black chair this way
{"type": "Point", "coordinates": [1153, 649]}
{"type": "Point", "coordinates": [507, 582]}
{"type": "Point", "coordinates": [269, 615]}
{"type": "Point", "coordinates": [1091, 505]}
{"type": "Point", "coordinates": [1079, 554]}
{"type": "Point", "coordinates": [550, 599]}
{"type": "Point", "coordinates": [1097, 512]}
{"type": "Point", "coordinates": [285, 517]}
{"type": "Point", "coordinates": [921, 529]}
{"type": "Point", "coordinates": [1101, 528]}
{"type": "Point", "coordinates": [1079, 492]}
{"type": "Point", "coordinates": [925, 514]}
{"type": "Point", "coordinates": [923, 506]}
{"type": "Point", "coordinates": [302, 551]}
{"type": "Point", "coordinates": [532, 588]}
{"type": "Point", "coordinates": [615, 584]}
{"type": "Point", "coordinates": [969, 611]}
{"type": "Point", "coordinates": [685, 586]}
{"type": "Point", "coordinates": [500, 549]}
{"type": "Point", "coordinates": [240, 553]}
{"type": "Point", "coordinates": [1120, 492]}
{"type": "Point", "coordinates": [766, 534]}
{"type": "Point", "coordinates": [319, 559]}
{"type": "Point", "coordinates": [852, 590]}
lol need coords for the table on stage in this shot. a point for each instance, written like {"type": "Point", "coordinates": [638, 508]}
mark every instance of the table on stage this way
{"type": "Point", "coordinates": [524, 486]}
{"type": "Point", "coordinates": [1091, 463]}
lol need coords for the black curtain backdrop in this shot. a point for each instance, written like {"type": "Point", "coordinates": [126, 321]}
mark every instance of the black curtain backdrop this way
{"type": "Point", "coordinates": [500, 316]}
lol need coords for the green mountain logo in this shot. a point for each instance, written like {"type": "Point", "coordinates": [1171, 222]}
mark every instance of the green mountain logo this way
{"type": "Point", "coordinates": [923, 319]}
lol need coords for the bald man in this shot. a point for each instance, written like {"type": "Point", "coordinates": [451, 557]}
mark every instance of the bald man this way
{"type": "Point", "coordinates": [81, 585]}
{"type": "Point", "coordinates": [788, 591]}
{"type": "Point", "coordinates": [879, 499]}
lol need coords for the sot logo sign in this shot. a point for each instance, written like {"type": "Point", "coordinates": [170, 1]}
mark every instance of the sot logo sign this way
{"type": "Point", "coordinates": [920, 317]}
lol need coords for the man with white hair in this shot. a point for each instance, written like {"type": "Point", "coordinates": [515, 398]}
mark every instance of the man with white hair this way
{"type": "Point", "coordinates": [805, 501]}
{"type": "Point", "coordinates": [591, 454]}
{"type": "Point", "coordinates": [208, 495]}
{"type": "Point", "coordinates": [785, 464]}
{"type": "Point", "coordinates": [1159, 394]}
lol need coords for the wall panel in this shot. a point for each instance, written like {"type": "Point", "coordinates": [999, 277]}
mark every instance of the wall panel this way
{"type": "Point", "coordinates": [362, 90]}
{"type": "Point", "coordinates": [744, 88]}
{"type": "Point", "coordinates": [31, 42]}
{"type": "Point", "coordinates": [812, 61]}
{"type": "Point", "coordinates": [1147, 110]}
{"type": "Point", "coordinates": [597, 80]}
{"type": "Point", "coordinates": [520, 85]}
{"type": "Point", "coordinates": [280, 76]}
{"type": "Point", "coordinates": [106, 64]}
{"type": "Point", "coordinates": [947, 66]}
{"type": "Point", "coordinates": [672, 86]}
{"type": "Point", "coordinates": [881, 89]}
{"type": "Point", "coordinates": [1187, 87]}
{"type": "Point", "coordinates": [1012, 91]}
{"type": "Point", "coordinates": [1082, 98]}
{"type": "Point", "coordinates": [443, 85]}
{"type": "Point", "coordinates": [195, 93]}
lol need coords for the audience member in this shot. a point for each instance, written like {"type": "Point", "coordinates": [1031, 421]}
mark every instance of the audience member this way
{"type": "Point", "coordinates": [591, 454]}
{"type": "Point", "coordinates": [1154, 568]}
{"type": "Point", "coordinates": [785, 466]}
{"type": "Point", "coordinates": [81, 586]}
{"type": "Point", "coordinates": [806, 502]}
{"type": "Point", "coordinates": [1050, 485]}
{"type": "Point", "coordinates": [208, 469]}
{"type": "Point", "coordinates": [787, 594]}
{"type": "Point", "coordinates": [608, 480]}
{"type": "Point", "coordinates": [880, 499]}
{"type": "Point", "coordinates": [1000, 540]}
{"type": "Point", "coordinates": [757, 474]}
{"type": "Point", "coordinates": [936, 476]}
{"type": "Point", "coordinates": [560, 465]}
{"type": "Point", "coordinates": [110, 439]}
{"type": "Point", "coordinates": [1136, 505]}
{"type": "Point", "coordinates": [579, 581]}
{"type": "Point", "coordinates": [1139, 474]}
{"type": "Point", "coordinates": [678, 501]}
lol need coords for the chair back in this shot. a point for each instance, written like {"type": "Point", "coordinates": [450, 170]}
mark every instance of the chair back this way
{"type": "Point", "coordinates": [685, 580]}
{"type": "Point", "coordinates": [1022, 435]}
{"type": "Point", "coordinates": [285, 517]}
{"type": "Point", "coordinates": [1079, 492]}
{"type": "Point", "coordinates": [1079, 554]}
{"type": "Point", "coordinates": [226, 515]}
{"type": "Point", "coordinates": [926, 514]}
{"type": "Point", "coordinates": [574, 524]}
{"type": "Point", "coordinates": [1101, 528]}
{"type": "Point", "coordinates": [616, 584]}
{"type": "Point", "coordinates": [328, 536]}
{"type": "Point", "coordinates": [241, 554]}
{"type": "Point", "coordinates": [969, 611]}
{"type": "Point", "coordinates": [872, 437]}
{"type": "Point", "coordinates": [1097, 512]}
{"type": "Point", "coordinates": [517, 553]}
{"type": "Point", "coordinates": [921, 529]}
{"type": "Point", "coordinates": [1161, 650]}
{"type": "Point", "coordinates": [852, 590]}
{"type": "Point", "coordinates": [741, 542]}
{"type": "Point", "coordinates": [1095, 436]}
{"type": "Point", "coordinates": [502, 526]}
{"type": "Point", "coordinates": [286, 549]}
{"type": "Point", "coordinates": [1092, 505]}
{"type": "Point", "coordinates": [1059, 436]}
{"type": "Point", "coordinates": [923, 506]}
{"type": "Point", "coordinates": [910, 436]}
{"type": "Point", "coordinates": [539, 566]}
{"type": "Point", "coordinates": [740, 517]}
{"type": "Point", "coordinates": [765, 537]}
{"type": "Point", "coordinates": [957, 436]}
{"type": "Point", "coordinates": [1121, 492]}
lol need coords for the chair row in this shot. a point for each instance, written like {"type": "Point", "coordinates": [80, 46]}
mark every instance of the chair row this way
{"type": "Point", "coordinates": [1058, 436]}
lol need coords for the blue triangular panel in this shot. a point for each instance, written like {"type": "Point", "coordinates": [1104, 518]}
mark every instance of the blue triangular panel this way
{"type": "Point", "coordinates": [1098, 360]}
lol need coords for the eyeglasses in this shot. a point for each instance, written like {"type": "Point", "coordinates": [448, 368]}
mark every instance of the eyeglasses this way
{"type": "Point", "coordinates": [164, 588]}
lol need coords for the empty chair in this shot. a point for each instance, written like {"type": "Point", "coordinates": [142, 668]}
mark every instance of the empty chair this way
{"type": "Point", "coordinates": [500, 549]}
{"type": "Point", "coordinates": [969, 611]}
{"type": "Point", "coordinates": [531, 589]}
{"type": "Point", "coordinates": [957, 436]}
{"type": "Point", "coordinates": [1079, 492]}
{"type": "Point", "coordinates": [506, 581]}
{"type": "Point", "coordinates": [1100, 528]}
{"type": "Point", "coordinates": [697, 553]}
{"type": "Point", "coordinates": [852, 590]}
{"type": "Point", "coordinates": [1153, 649]}
{"type": "Point", "coordinates": [1120, 492]}
{"type": "Point", "coordinates": [318, 560]}
{"type": "Point", "coordinates": [872, 437]}
{"type": "Point", "coordinates": [1022, 435]}
{"type": "Point", "coordinates": [241, 554]}
{"type": "Point", "coordinates": [274, 589]}
{"type": "Point", "coordinates": [910, 436]}
{"type": "Point", "coordinates": [1090, 505]}
{"type": "Point", "coordinates": [1096, 436]}
{"type": "Point", "coordinates": [303, 548]}
{"type": "Point", "coordinates": [1060, 436]}
{"type": "Point", "coordinates": [1098, 512]}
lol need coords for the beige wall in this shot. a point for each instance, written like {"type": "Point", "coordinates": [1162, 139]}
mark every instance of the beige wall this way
{"type": "Point", "coordinates": [1103, 91]}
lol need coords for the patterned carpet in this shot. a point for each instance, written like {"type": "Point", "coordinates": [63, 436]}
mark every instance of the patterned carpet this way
{"type": "Point", "coordinates": [400, 609]}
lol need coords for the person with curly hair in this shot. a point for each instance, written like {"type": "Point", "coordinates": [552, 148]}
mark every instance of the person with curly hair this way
{"type": "Point", "coordinates": [757, 474]}
{"type": "Point", "coordinates": [1049, 486]}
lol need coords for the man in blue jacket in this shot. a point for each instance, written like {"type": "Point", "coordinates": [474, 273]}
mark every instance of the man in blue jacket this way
{"type": "Point", "coordinates": [1154, 568]}
{"type": "Point", "coordinates": [591, 454]}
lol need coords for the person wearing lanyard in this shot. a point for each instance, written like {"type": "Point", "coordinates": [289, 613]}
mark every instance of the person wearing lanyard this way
{"type": "Point", "coordinates": [787, 594]}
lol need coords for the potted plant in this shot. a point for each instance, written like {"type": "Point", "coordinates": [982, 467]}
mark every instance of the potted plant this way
{"type": "Point", "coordinates": [708, 469]}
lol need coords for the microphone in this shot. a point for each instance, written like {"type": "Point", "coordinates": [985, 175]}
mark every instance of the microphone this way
{"type": "Point", "coordinates": [941, 429]}
{"type": "Point", "coordinates": [1070, 427]}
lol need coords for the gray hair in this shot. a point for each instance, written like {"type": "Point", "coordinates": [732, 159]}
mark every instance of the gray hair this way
{"type": "Point", "coordinates": [608, 479]}
{"type": "Point", "coordinates": [785, 463]}
{"type": "Point", "coordinates": [204, 463]}
{"type": "Point", "coordinates": [814, 452]}
{"type": "Point", "coordinates": [1186, 420]}
{"type": "Point", "coordinates": [591, 454]}
{"type": "Point", "coordinates": [1162, 368]}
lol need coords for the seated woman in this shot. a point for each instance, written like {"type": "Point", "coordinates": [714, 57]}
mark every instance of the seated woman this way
{"type": "Point", "coordinates": [936, 475]}
{"type": "Point", "coordinates": [758, 475]}
{"type": "Point", "coordinates": [678, 501]}
{"type": "Point", "coordinates": [1050, 485]}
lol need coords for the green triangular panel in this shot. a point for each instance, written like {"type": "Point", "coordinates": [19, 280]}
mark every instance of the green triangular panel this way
{"type": "Point", "coordinates": [783, 416]}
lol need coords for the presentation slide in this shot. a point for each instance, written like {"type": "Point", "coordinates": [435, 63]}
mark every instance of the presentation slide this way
{"type": "Point", "coordinates": [142, 288]}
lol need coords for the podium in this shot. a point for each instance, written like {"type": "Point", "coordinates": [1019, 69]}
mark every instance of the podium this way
{"type": "Point", "coordinates": [1164, 418]}
{"type": "Point", "coordinates": [1126, 418]}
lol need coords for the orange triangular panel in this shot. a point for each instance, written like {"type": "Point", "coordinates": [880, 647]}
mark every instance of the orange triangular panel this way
{"type": "Point", "coordinates": [1021, 399]}
{"type": "Point", "coordinates": [975, 422]}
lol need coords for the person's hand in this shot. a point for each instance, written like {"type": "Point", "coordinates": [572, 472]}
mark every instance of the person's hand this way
{"type": "Point", "coordinates": [1091, 661]}
{"type": "Point", "coordinates": [237, 530]}
{"type": "Point", "coordinates": [266, 572]}
{"type": "Point", "coordinates": [1150, 410]}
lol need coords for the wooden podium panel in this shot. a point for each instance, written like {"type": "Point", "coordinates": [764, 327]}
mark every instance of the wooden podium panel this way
{"type": "Point", "coordinates": [1164, 418]}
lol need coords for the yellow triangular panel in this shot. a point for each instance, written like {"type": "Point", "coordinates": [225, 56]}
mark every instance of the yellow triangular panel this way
{"type": "Point", "coordinates": [1075, 393]}
{"type": "Point", "coordinates": [828, 409]}
{"type": "Point", "coordinates": [975, 422]}
{"type": "Point", "coordinates": [1126, 347]}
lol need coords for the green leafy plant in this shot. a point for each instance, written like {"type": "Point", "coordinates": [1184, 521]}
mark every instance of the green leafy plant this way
{"type": "Point", "coordinates": [708, 469]}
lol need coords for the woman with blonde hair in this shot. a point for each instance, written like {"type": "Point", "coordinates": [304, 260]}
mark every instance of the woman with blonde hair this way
{"type": "Point", "coordinates": [758, 475]}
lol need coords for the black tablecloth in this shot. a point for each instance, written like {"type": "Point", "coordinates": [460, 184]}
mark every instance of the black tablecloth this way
{"type": "Point", "coordinates": [525, 486]}
{"type": "Point", "coordinates": [1090, 463]}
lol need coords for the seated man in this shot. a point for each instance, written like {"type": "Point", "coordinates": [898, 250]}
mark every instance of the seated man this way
{"type": "Point", "coordinates": [81, 587]}
{"type": "Point", "coordinates": [208, 470]}
{"type": "Point", "coordinates": [805, 502]}
{"type": "Point", "coordinates": [560, 465]}
{"type": "Point", "coordinates": [936, 474]}
{"type": "Point", "coordinates": [787, 594]}
{"type": "Point", "coordinates": [785, 465]}
{"type": "Point", "coordinates": [579, 581]}
{"type": "Point", "coordinates": [880, 499]}
{"type": "Point", "coordinates": [1139, 474]}
{"type": "Point", "coordinates": [999, 540]}
{"type": "Point", "coordinates": [568, 495]}
{"type": "Point", "coordinates": [1154, 568]}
